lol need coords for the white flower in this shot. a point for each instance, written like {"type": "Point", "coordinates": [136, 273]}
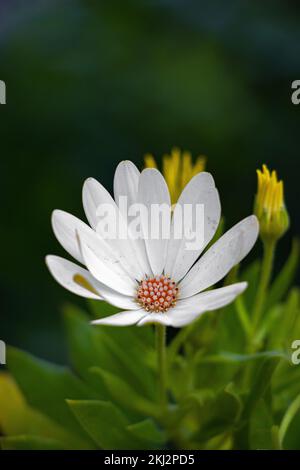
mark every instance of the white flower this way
{"type": "Point", "coordinates": [151, 280]}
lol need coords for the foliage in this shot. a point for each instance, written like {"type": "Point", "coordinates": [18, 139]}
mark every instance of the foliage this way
{"type": "Point", "coordinates": [230, 386]}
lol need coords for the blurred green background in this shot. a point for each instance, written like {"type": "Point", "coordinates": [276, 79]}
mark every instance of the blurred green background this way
{"type": "Point", "coordinates": [90, 83]}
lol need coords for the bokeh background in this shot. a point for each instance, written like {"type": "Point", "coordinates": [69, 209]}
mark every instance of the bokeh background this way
{"type": "Point", "coordinates": [90, 83]}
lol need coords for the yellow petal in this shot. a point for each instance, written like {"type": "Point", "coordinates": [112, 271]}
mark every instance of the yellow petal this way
{"type": "Point", "coordinates": [149, 161]}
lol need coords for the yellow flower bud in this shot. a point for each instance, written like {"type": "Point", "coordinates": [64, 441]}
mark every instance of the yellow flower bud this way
{"type": "Point", "coordinates": [269, 205]}
{"type": "Point", "coordinates": [178, 169]}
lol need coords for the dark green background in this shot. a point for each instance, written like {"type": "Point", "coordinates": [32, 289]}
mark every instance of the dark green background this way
{"type": "Point", "coordinates": [90, 83]}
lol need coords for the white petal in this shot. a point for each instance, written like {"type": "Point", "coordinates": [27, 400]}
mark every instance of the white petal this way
{"type": "Point", "coordinates": [187, 310]}
{"type": "Point", "coordinates": [126, 183]}
{"type": "Point", "coordinates": [162, 318]}
{"type": "Point", "coordinates": [200, 190]}
{"type": "Point", "coordinates": [64, 271]}
{"type": "Point", "coordinates": [228, 251]}
{"type": "Point", "coordinates": [95, 197]}
{"type": "Point", "coordinates": [153, 193]}
{"type": "Point", "coordinates": [100, 270]}
{"type": "Point", "coordinates": [122, 319]}
{"type": "Point", "coordinates": [65, 227]}
{"type": "Point", "coordinates": [118, 300]}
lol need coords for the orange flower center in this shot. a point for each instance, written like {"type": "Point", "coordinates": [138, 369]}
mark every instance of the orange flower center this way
{"type": "Point", "coordinates": [157, 294]}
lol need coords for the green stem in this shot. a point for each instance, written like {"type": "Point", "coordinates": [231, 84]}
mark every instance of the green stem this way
{"type": "Point", "coordinates": [243, 316]}
{"type": "Point", "coordinates": [162, 364]}
{"type": "Point", "coordinates": [266, 272]}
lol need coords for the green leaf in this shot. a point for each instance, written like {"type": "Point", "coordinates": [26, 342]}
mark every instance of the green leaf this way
{"type": "Point", "coordinates": [270, 319]}
{"type": "Point", "coordinates": [281, 324]}
{"type": "Point", "coordinates": [290, 426]}
{"type": "Point", "coordinates": [216, 370]}
{"type": "Point", "coordinates": [261, 427]}
{"type": "Point", "coordinates": [285, 386]}
{"type": "Point", "coordinates": [147, 434]}
{"type": "Point", "coordinates": [104, 423]}
{"type": "Point", "coordinates": [216, 413]}
{"type": "Point", "coordinates": [110, 429]}
{"type": "Point", "coordinates": [18, 418]}
{"type": "Point", "coordinates": [217, 373]}
{"type": "Point", "coordinates": [213, 375]}
{"type": "Point", "coordinates": [179, 376]}
{"type": "Point", "coordinates": [259, 377]}
{"type": "Point", "coordinates": [123, 394]}
{"type": "Point", "coordinates": [134, 353]}
{"type": "Point", "coordinates": [47, 386]}
{"type": "Point", "coordinates": [260, 382]}
{"type": "Point", "coordinates": [84, 348]}
{"type": "Point", "coordinates": [291, 315]}
{"type": "Point", "coordinates": [27, 442]}
{"type": "Point", "coordinates": [285, 278]}
{"type": "Point", "coordinates": [226, 322]}
{"type": "Point", "coordinates": [126, 352]}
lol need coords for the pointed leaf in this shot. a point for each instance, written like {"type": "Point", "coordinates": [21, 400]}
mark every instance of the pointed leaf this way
{"type": "Point", "coordinates": [47, 386]}
{"type": "Point", "coordinates": [263, 373]}
{"type": "Point", "coordinates": [104, 423]}
{"type": "Point", "coordinates": [217, 413]}
{"type": "Point", "coordinates": [290, 426]}
{"type": "Point", "coordinates": [18, 418]}
{"type": "Point", "coordinates": [123, 394]}
{"type": "Point", "coordinates": [126, 352]}
{"type": "Point", "coordinates": [146, 434]}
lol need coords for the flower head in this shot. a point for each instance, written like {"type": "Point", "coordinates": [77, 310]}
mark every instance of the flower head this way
{"type": "Point", "coordinates": [152, 279]}
{"type": "Point", "coordinates": [269, 205]}
{"type": "Point", "coordinates": [178, 169]}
